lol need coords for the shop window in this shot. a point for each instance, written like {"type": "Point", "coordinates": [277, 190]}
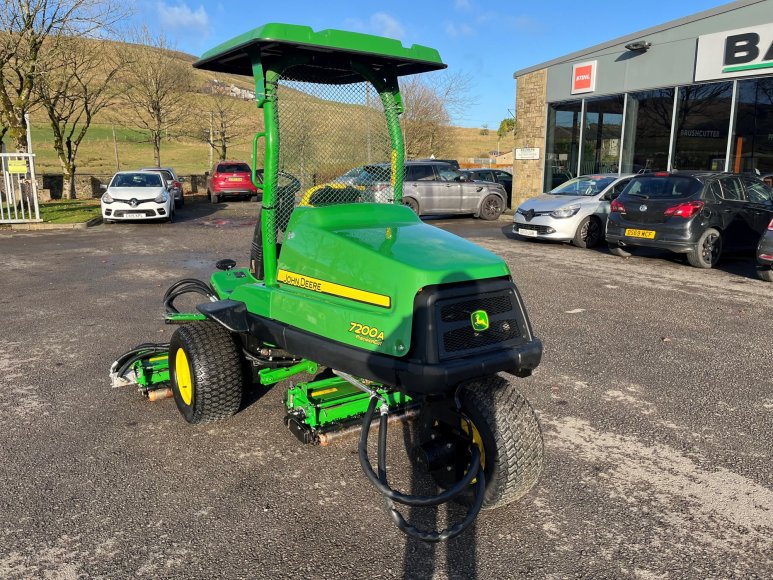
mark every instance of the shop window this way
{"type": "Point", "coordinates": [648, 117]}
{"type": "Point", "coordinates": [601, 135]}
{"type": "Point", "coordinates": [563, 143]}
{"type": "Point", "coordinates": [702, 124]}
{"type": "Point", "coordinates": [752, 146]}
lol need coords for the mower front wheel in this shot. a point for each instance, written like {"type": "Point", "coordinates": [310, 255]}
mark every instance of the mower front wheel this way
{"type": "Point", "coordinates": [206, 371]}
{"type": "Point", "coordinates": [506, 427]}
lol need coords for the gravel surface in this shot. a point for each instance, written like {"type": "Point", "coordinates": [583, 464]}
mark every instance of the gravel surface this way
{"type": "Point", "coordinates": [655, 398]}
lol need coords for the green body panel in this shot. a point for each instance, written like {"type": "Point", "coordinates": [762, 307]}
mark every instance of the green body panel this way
{"type": "Point", "coordinates": [327, 402]}
{"type": "Point", "coordinates": [152, 371]}
{"type": "Point", "coordinates": [182, 317]}
{"type": "Point", "coordinates": [224, 282]}
{"type": "Point", "coordinates": [381, 249]}
{"type": "Point", "coordinates": [270, 376]}
{"type": "Point", "coordinates": [274, 41]}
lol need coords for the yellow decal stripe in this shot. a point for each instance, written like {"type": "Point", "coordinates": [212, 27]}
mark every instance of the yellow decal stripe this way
{"type": "Point", "coordinates": [333, 289]}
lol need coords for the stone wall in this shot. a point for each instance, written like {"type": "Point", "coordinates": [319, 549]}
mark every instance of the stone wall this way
{"type": "Point", "coordinates": [531, 116]}
{"type": "Point", "coordinates": [50, 185]}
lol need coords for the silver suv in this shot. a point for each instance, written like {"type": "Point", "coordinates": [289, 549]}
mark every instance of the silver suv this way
{"type": "Point", "coordinates": [435, 187]}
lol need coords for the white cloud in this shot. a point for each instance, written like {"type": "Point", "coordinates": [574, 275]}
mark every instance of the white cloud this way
{"type": "Point", "coordinates": [457, 30]}
{"type": "Point", "coordinates": [182, 19]}
{"type": "Point", "coordinates": [379, 23]}
{"type": "Point", "coordinates": [462, 5]}
{"type": "Point", "coordinates": [386, 25]}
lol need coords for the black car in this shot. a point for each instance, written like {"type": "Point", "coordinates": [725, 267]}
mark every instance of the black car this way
{"type": "Point", "coordinates": [695, 213]}
{"type": "Point", "coordinates": [496, 176]}
{"type": "Point", "coordinates": [765, 254]}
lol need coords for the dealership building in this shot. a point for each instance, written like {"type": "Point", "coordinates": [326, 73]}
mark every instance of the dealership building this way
{"type": "Point", "coordinates": [694, 93]}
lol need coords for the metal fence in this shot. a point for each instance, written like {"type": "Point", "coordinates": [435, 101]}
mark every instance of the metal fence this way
{"type": "Point", "coordinates": [18, 189]}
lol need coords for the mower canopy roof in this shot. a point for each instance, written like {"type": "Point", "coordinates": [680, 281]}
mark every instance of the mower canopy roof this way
{"type": "Point", "coordinates": [327, 54]}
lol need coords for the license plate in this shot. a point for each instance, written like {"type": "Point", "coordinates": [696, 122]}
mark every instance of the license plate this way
{"type": "Point", "coordinates": [134, 216]}
{"type": "Point", "coordinates": [530, 233]}
{"type": "Point", "coordinates": [648, 234]}
{"type": "Point", "coordinates": [234, 179]}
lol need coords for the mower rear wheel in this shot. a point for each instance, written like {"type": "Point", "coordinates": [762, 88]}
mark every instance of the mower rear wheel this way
{"type": "Point", "coordinates": [256, 250]}
{"type": "Point", "coordinates": [206, 372]}
{"type": "Point", "coordinates": [508, 433]}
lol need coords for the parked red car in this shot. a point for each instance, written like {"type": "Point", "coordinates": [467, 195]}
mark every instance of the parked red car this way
{"type": "Point", "coordinates": [232, 179]}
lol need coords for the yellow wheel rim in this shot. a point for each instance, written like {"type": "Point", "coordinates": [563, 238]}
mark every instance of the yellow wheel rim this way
{"type": "Point", "coordinates": [182, 372]}
{"type": "Point", "coordinates": [476, 439]}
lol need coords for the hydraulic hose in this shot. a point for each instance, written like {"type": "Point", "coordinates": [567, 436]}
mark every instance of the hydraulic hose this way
{"type": "Point", "coordinates": [145, 350]}
{"type": "Point", "coordinates": [185, 286]}
{"type": "Point", "coordinates": [390, 495]}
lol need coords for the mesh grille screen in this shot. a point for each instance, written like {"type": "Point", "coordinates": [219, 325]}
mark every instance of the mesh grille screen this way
{"type": "Point", "coordinates": [462, 310]}
{"type": "Point", "coordinates": [334, 146]}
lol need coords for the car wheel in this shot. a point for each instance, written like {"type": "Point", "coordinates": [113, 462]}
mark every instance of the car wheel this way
{"type": "Point", "coordinates": [765, 274]}
{"type": "Point", "coordinates": [491, 208]}
{"type": "Point", "coordinates": [206, 372]}
{"type": "Point", "coordinates": [618, 251]}
{"type": "Point", "coordinates": [589, 233]}
{"type": "Point", "coordinates": [707, 251]}
{"type": "Point", "coordinates": [214, 198]}
{"type": "Point", "coordinates": [107, 221]}
{"type": "Point", "coordinates": [411, 203]}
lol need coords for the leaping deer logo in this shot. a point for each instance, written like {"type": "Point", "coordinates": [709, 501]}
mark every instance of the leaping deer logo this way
{"type": "Point", "coordinates": [479, 320]}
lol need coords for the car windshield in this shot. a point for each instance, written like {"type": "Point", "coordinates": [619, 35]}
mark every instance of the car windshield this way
{"type": "Point", "coordinates": [350, 175]}
{"type": "Point", "coordinates": [374, 174]}
{"type": "Point", "coordinates": [136, 180]}
{"type": "Point", "coordinates": [233, 168]}
{"type": "Point", "coordinates": [583, 185]}
{"type": "Point", "coordinates": [664, 187]}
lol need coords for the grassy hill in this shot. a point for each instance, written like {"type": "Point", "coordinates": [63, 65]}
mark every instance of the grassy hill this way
{"type": "Point", "coordinates": [184, 150]}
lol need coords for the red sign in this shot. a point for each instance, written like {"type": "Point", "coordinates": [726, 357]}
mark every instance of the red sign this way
{"type": "Point", "coordinates": [583, 77]}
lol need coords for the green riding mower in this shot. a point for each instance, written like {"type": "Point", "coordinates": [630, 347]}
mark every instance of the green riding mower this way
{"type": "Point", "coordinates": [345, 283]}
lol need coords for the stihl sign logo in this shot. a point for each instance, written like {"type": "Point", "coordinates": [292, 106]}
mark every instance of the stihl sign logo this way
{"type": "Point", "coordinates": [735, 53]}
{"type": "Point", "coordinates": [584, 77]}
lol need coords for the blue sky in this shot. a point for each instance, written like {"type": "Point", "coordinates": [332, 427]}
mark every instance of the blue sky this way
{"type": "Point", "coordinates": [487, 40]}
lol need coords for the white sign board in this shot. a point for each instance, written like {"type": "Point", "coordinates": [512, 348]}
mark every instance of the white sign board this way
{"type": "Point", "coordinates": [735, 53]}
{"type": "Point", "coordinates": [527, 153]}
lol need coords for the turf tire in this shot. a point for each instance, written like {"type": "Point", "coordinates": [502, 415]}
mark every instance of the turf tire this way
{"type": "Point", "coordinates": [256, 250]}
{"type": "Point", "coordinates": [216, 370]}
{"type": "Point", "coordinates": [511, 436]}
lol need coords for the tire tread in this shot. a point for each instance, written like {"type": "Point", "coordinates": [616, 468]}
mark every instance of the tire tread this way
{"type": "Point", "coordinates": [216, 367]}
{"type": "Point", "coordinates": [517, 437]}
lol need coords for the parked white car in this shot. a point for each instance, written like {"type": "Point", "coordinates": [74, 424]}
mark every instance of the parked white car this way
{"type": "Point", "coordinates": [137, 195]}
{"type": "Point", "coordinates": [576, 211]}
{"type": "Point", "coordinates": [173, 183]}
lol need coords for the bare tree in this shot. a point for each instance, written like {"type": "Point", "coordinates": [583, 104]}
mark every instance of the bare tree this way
{"type": "Point", "coordinates": [156, 84]}
{"type": "Point", "coordinates": [224, 120]}
{"type": "Point", "coordinates": [25, 27]}
{"type": "Point", "coordinates": [431, 102]}
{"type": "Point", "coordinates": [79, 84]}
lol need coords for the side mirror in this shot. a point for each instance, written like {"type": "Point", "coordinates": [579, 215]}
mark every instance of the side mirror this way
{"type": "Point", "coordinates": [103, 186]}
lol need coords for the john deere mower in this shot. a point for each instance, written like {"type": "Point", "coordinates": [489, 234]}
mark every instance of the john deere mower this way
{"type": "Point", "coordinates": [390, 316]}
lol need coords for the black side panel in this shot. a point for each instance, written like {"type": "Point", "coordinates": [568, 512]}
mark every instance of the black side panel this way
{"type": "Point", "coordinates": [229, 313]}
{"type": "Point", "coordinates": [429, 367]}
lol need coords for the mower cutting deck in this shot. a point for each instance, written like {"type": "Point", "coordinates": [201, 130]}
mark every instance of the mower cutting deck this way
{"type": "Point", "coordinates": [406, 320]}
